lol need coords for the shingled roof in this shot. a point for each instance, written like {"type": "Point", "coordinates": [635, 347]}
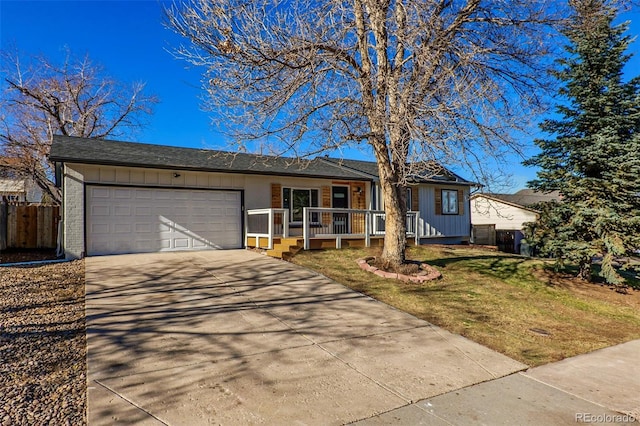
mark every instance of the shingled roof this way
{"type": "Point", "coordinates": [433, 173]}
{"type": "Point", "coordinates": [525, 197]}
{"type": "Point", "coordinates": [131, 154]}
{"type": "Point", "coordinates": [117, 153]}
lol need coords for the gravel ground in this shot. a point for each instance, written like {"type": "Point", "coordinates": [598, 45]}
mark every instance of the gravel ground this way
{"type": "Point", "coordinates": [42, 345]}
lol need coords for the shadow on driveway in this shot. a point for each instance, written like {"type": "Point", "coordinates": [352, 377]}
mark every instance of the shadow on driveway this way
{"type": "Point", "coordinates": [235, 337]}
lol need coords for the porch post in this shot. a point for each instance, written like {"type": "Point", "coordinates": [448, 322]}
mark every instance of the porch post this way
{"type": "Point", "coordinates": [305, 228]}
{"type": "Point", "coordinates": [416, 228]}
{"type": "Point", "coordinates": [285, 225]}
{"type": "Point", "coordinates": [367, 220]}
{"type": "Point", "coordinates": [270, 229]}
{"type": "Point", "coordinates": [246, 229]}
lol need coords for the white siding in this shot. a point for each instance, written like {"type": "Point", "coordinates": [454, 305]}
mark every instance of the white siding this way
{"type": "Point", "coordinates": [77, 175]}
{"type": "Point", "coordinates": [257, 190]}
{"type": "Point", "coordinates": [485, 211]}
{"type": "Point", "coordinates": [158, 177]}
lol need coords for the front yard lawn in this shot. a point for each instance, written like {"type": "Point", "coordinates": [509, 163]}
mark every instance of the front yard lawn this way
{"type": "Point", "coordinates": [514, 305]}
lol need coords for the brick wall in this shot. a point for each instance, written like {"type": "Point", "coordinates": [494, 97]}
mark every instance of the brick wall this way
{"type": "Point", "coordinates": [73, 213]}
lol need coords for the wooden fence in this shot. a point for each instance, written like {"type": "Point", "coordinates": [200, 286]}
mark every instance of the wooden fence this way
{"type": "Point", "coordinates": [28, 227]}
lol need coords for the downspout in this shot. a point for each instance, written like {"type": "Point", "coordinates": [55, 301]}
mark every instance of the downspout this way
{"type": "Point", "coordinates": [58, 177]}
{"type": "Point", "coordinates": [59, 249]}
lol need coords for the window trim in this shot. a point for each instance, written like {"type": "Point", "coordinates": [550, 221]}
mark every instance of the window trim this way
{"type": "Point", "coordinates": [409, 199]}
{"type": "Point", "coordinates": [290, 208]}
{"type": "Point", "coordinates": [446, 202]}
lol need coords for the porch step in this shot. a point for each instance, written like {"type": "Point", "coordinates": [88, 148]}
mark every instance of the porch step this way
{"type": "Point", "coordinates": [286, 248]}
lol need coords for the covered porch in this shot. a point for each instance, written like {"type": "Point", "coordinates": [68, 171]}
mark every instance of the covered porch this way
{"type": "Point", "coordinates": [271, 229]}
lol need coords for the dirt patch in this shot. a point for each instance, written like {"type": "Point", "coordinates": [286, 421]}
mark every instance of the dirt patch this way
{"type": "Point", "coordinates": [16, 256]}
{"type": "Point", "coordinates": [589, 289]}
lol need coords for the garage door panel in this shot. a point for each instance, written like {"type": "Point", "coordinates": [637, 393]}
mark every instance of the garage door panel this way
{"type": "Point", "coordinates": [132, 220]}
{"type": "Point", "coordinates": [143, 194]}
{"type": "Point", "coordinates": [100, 211]}
{"type": "Point", "coordinates": [181, 243]}
{"type": "Point", "coordinates": [213, 196]}
{"type": "Point", "coordinates": [201, 211]}
{"type": "Point", "coordinates": [143, 211]}
{"type": "Point", "coordinates": [122, 210]}
{"type": "Point", "coordinates": [197, 243]}
{"type": "Point", "coordinates": [121, 228]}
{"type": "Point", "coordinates": [100, 192]}
{"type": "Point", "coordinates": [164, 227]}
{"type": "Point", "coordinates": [163, 195]}
{"type": "Point", "coordinates": [122, 193]}
{"type": "Point", "coordinates": [142, 228]}
{"type": "Point", "coordinates": [183, 195]}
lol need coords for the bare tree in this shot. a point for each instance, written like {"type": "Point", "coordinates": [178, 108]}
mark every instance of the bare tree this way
{"type": "Point", "coordinates": [418, 81]}
{"type": "Point", "coordinates": [42, 99]}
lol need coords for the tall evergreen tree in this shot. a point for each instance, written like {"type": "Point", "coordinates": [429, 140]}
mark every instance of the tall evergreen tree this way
{"type": "Point", "coordinates": [593, 157]}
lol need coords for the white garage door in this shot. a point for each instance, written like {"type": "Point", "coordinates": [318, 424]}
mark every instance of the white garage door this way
{"type": "Point", "coordinates": [141, 220]}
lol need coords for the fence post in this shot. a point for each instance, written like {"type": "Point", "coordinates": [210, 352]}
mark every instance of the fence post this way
{"type": "Point", "coordinates": [3, 225]}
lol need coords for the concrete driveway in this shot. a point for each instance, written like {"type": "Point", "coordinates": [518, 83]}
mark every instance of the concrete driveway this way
{"type": "Point", "coordinates": [233, 337]}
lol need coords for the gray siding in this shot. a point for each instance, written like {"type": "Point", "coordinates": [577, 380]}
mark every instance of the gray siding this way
{"type": "Point", "coordinates": [432, 225]}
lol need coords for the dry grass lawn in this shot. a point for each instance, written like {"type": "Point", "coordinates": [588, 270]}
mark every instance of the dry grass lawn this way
{"type": "Point", "coordinates": [516, 306]}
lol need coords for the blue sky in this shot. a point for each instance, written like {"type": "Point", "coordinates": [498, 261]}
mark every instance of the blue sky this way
{"type": "Point", "coordinates": [129, 40]}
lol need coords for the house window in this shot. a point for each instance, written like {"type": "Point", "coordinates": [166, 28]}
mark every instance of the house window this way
{"type": "Point", "coordinates": [296, 200]}
{"type": "Point", "coordinates": [449, 201]}
{"type": "Point", "coordinates": [408, 199]}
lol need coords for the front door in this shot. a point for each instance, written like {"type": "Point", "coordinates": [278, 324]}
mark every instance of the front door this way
{"type": "Point", "coordinates": [340, 200]}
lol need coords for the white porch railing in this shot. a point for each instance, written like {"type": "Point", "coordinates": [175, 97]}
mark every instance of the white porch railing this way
{"type": "Point", "coordinates": [322, 223]}
{"type": "Point", "coordinates": [266, 223]}
{"type": "Point", "coordinates": [337, 223]}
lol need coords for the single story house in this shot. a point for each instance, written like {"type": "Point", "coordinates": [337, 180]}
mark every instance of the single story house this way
{"type": "Point", "coordinates": [498, 219]}
{"type": "Point", "coordinates": [124, 197]}
{"type": "Point", "coordinates": [20, 191]}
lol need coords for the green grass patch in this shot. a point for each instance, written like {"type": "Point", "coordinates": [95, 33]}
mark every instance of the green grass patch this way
{"type": "Point", "coordinates": [513, 305]}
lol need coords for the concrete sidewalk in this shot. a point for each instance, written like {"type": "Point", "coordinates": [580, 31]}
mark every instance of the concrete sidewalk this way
{"type": "Point", "coordinates": [233, 337]}
{"type": "Point", "coordinates": [602, 387]}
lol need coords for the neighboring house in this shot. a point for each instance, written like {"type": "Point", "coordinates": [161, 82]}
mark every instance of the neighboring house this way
{"type": "Point", "coordinates": [20, 191]}
{"type": "Point", "coordinates": [123, 197]}
{"type": "Point", "coordinates": [498, 219]}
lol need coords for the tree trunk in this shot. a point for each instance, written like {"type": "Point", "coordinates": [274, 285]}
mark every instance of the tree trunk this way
{"type": "Point", "coordinates": [47, 186]}
{"type": "Point", "coordinates": [584, 271]}
{"type": "Point", "coordinates": [395, 239]}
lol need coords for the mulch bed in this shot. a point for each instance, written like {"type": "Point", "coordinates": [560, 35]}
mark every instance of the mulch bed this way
{"type": "Point", "coordinates": [415, 272]}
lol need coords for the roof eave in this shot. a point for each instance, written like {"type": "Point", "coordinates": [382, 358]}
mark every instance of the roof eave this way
{"type": "Point", "coordinates": [199, 169]}
{"type": "Point", "coordinates": [509, 203]}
